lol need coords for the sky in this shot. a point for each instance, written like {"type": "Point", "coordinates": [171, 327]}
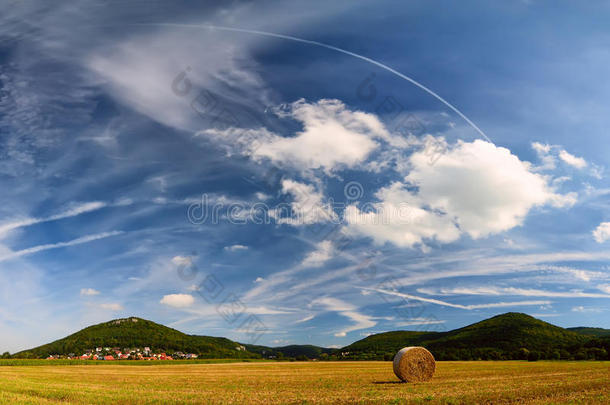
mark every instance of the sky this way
{"type": "Point", "coordinates": [303, 173]}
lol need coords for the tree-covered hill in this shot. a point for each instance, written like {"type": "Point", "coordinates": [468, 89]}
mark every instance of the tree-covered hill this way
{"type": "Point", "coordinates": [507, 336]}
{"type": "Point", "coordinates": [291, 351]}
{"type": "Point", "coordinates": [598, 332]}
{"type": "Point", "coordinates": [136, 332]}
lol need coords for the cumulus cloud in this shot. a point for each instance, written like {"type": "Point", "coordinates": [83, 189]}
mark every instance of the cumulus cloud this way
{"type": "Point", "coordinates": [89, 292]}
{"type": "Point", "coordinates": [572, 160]}
{"type": "Point", "coordinates": [548, 155]}
{"type": "Point", "coordinates": [323, 252]}
{"type": "Point", "coordinates": [398, 218]}
{"type": "Point", "coordinates": [602, 232]}
{"type": "Point", "coordinates": [308, 205]}
{"type": "Point", "coordinates": [544, 154]}
{"type": "Point", "coordinates": [178, 300]}
{"type": "Point", "coordinates": [332, 137]}
{"type": "Point", "coordinates": [475, 188]}
{"type": "Point", "coordinates": [182, 260]}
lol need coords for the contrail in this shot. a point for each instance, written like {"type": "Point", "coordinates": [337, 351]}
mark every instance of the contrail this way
{"type": "Point", "coordinates": [449, 304]}
{"type": "Point", "coordinates": [334, 48]}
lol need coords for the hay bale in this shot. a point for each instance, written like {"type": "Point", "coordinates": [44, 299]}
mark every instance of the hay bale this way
{"type": "Point", "coordinates": [414, 364]}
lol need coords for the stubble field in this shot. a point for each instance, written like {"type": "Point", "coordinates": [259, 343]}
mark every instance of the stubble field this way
{"type": "Point", "coordinates": [306, 382]}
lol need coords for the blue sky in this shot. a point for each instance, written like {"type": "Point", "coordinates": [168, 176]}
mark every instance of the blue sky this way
{"type": "Point", "coordinates": [213, 179]}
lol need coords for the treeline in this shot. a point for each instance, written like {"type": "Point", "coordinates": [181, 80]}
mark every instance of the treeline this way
{"type": "Point", "coordinates": [594, 349]}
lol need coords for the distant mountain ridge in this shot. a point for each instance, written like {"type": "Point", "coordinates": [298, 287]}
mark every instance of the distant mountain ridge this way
{"type": "Point", "coordinates": [506, 336]}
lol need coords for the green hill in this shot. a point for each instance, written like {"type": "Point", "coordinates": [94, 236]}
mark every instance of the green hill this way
{"type": "Point", "coordinates": [507, 336]}
{"type": "Point", "coordinates": [583, 330]}
{"type": "Point", "coordinates": [136, 332]}
{"type": "Point", "coordinates": [296, 351]}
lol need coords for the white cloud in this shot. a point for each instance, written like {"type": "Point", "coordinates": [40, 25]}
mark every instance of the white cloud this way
{"type": "Point", "coordinates": [419, 321]}
{"type": "Point", "coordinates": [262, 310]}
{"type": "Point", "coordinates": [398, 219]}
{"type": "Point", "coordinates": [362, 321]}
{"type": "Point", "coordinates": [235, 248]}
{"type": "Point", "coordinates": [604, 287]}
{"type": "Point", "coordinates": [182, 260]}
{"type": "Point", "coordinates": [74, 242]}
{"type": "Point", "coordinates": [581, 308]}
{"type": "Point", "coordinates": [308, 206]}
{"type": "Point", "coordinates": [541, 148]}
{"type": "Point", "coordinates": [602, 232]}
{"type": "Point", "coordinates": [77, 209]}
{"type": "Point", "coordinates": [89, 292]}
{"type": "Point", "coordinates": [178, 300]}
{"type": "Point", "coordinates": [112, 307]}
{"type": "Point", "coordinates": [307, 318]}
{"type": "Point", "coordinates": [134, 73]}
{"type": "Point", "coordinates": [448, 304]}
{"type": "Point", "coordinates": [259, 280]}
{"type": "Point", "coordinates": [544, 153]}
{"type": "Point", "coordinates": [332, 137]}
{"type": "Point", "coordinates": [323, 252]}
{"type": "Point", "coordinates": [475, 188]}
{"type": "Point", "coordinates": [548, 154]}
{"type": "Point", "coordinates": [572, 160]}
{"type": "Point", "coordinates": [528, 292]}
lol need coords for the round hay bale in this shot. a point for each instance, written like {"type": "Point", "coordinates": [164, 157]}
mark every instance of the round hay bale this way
{"type": "Point", "coordinates": [414, 364]}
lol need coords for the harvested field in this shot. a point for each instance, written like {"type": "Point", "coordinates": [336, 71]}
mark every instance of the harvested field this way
{"type": "Point", "coordinates": [307, 382]}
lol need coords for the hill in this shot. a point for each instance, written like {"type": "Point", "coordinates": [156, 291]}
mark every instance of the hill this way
{"type": "Point", "coordinates": [291, 351]}
{"type": "Point", "coordinates": [506, 336]}
{"type": "Point", "coordinates": [598, 332]}
{"type": "Point", "coordinates": [137, 332]}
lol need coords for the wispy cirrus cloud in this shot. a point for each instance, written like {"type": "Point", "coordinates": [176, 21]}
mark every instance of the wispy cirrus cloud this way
{"type": "Point", "coordinates": [361, 321]}
{"type": "Point", "coordinates": [448, 304]}
{"type": "Point", "coordinates": [58, 245]}
{"type": "Point", "coordinates": [76, 210]}
{"type": "Point", "coordinates": [510, 291]}
{"type": "Point", "coordinates": [89, 292]}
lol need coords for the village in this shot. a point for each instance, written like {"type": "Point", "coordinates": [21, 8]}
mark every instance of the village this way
{"type": "Point", "coordinates": [115, 353]}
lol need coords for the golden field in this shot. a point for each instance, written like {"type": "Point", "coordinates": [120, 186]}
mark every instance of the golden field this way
{"type": "Point", "coordinates": [306, 383]}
